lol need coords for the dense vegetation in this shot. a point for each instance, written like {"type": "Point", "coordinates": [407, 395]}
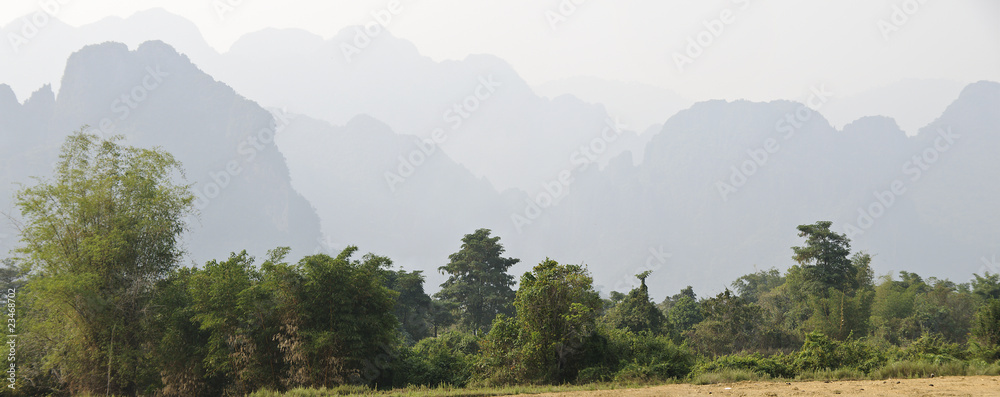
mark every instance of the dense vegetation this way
{"type": "Point", "coordinates": [102, 306]}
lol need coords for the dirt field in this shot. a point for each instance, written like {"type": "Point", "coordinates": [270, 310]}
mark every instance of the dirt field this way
{"type": "Point", "coordinates": [941, 386]}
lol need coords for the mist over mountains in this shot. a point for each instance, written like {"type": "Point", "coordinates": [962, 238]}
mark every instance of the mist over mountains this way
{"type": "Point", "coordinates": [402, 155]}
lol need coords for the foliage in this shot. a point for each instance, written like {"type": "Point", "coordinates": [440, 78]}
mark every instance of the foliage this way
{"type": "Point", "coordinates": [637, 313]}
{"type": "Point", "coordinates": [731, 325]}
{"type": "Point", "coordinates": [753, 285]}
{"type": "Point", "coordinates": [645, 356]}
{"type": "Point", "coordinates": [102, 307]}
{"type": "Point", "coordinates": [414, 308]}
{"type": "Point", "coordinates": [820, 352]}
{"type": "Point", "coordinates": [547, 339]}
{"type": "Point", "coordinates": [986, 330]}
{"type": "Point", "coordinates": [444, 360]}
{"type": "Point", "coordinates": [478, 283]}
{"type": "Point", "coordinates": [777, 366]}
{"type": "Point", "coordinates": [824, 258]}
{"type": "Point", "coordinates": [97, 239]}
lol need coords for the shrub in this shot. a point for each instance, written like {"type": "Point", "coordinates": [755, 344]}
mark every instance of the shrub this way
{"type": "Point", "coordinates": [822, 353]}
{"type": "Point", "coordinates": [777, 366]}
{"type": "Point", "coordinates": [645, 357]}
{"type": "Point", "coordinates": [726, 376]}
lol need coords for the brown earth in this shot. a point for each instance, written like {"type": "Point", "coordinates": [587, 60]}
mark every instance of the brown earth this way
{"type": "Point", "coordinates": [940, 386]}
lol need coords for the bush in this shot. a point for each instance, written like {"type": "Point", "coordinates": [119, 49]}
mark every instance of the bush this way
{"type": "Point", "coordinates": [445, 360]}
{"type": "Point", "coordinates": [646, 357]}
{"type": "Point", "coordinates": [831, 374]}
{"type": "Point", "coordinates": [726, 376]}
{"type": "Point", "coordinates": [932, 347]}
{"type": "Point", "coordinates": [822, 353]}
{"type": "Point", "coordinates": [777, 366]}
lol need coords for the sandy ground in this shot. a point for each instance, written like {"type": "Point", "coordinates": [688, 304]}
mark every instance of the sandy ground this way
{"type": "Point", "coordinates": [941, 386]}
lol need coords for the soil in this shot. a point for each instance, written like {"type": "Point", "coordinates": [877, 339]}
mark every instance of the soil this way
{"type": "Point", "coordinates": [939, 386]}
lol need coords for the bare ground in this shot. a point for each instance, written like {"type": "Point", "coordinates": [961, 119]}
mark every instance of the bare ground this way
{"type": "Point", "coordinates": [940, 386]}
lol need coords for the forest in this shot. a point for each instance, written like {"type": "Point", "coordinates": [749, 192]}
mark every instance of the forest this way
{"type": "Point", "coordinates": [99, 303]}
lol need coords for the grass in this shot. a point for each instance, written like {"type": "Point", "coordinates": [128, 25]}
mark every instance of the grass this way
{"type": "Point", "coordinates": [924, 369]}
{"type": "Point", "coordinates": [440, 391]}
{"type": "Point", "coordinates": [727, 376]}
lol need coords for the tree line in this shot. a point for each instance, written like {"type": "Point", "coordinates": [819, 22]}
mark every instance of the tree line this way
{"type": "Point", "coordinates": [103, 306]}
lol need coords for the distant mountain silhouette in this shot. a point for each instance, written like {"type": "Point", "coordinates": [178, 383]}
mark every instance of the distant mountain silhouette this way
{"type": "Point", "coordinates": [157, 97]}
{"type": "Point", "coordinates": [714, 192]}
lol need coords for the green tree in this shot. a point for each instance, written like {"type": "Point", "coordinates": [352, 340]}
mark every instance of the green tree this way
{"type": "Point", "coordinates": [986, 329]}
{"type": "Point", "coordinates": [825, 258]}
{"type": "Point", "coordinates": [413, 306]}
{"type": "Point", "coordinates": [684, 314]}
{"type": "Point", "coordinates": [753, 285]}
{"type": "Point", "coordinates": [478, 282]}
{"type": "Point", "coordinates": [239, 321]}
{"type": "Point", "coordinates": [986, 286]}
{"type": "Point", "coordinates": [547, 341]}
{"type": "Point", "coordinates": [97, 238]}
{"type": "Point", "coordinates": [731, 325]}
{"type": "Point", "coordinates": [636, 312]}
{"type": "Point", "coordinates": [337, 318]}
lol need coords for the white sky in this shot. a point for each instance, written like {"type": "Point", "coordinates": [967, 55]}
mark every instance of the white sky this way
{"type": "Point", "coordinates": [773, 48]}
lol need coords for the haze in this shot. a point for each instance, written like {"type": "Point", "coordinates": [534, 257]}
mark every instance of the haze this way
{"type": "Point", "coordinates": [879, 81]}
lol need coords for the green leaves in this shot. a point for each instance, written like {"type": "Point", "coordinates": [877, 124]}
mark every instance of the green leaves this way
{"type": "Point", "coordinates": [478, 281]}
{"type": "Point", "coordinates": [825, 257]}
{"type": "Point", "coordinates": [97, 238]}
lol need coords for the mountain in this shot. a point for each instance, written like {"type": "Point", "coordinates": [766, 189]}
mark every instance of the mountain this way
{"type": "Point", "coordinates": [941, 223]}
{"type": "Point", "coordinates": [417, 216]}
{"type": "Point", "coordinates": [639, 105]}
{"type": "Point", "coordinates": [912, 103]}
{"type": "Point", "coordinates": [154, 96]}
{"type": "Point", "coordinates": [40, 58]}
{"type": "Point", "coordinates": [497, 126]}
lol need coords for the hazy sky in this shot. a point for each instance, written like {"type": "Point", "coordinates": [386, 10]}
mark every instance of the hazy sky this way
{"type": "Point", "coordinates": [765, 49]}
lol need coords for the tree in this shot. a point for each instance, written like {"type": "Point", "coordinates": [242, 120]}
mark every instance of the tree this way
{"type": "Point", "coordinates": [753, 285]}
{"type": "Point", "coordinates": [986, 328]}
{"type": "Point", "coordinates": [731, 325]}
{"type": "Point", "coordinates": [557, 309]}
{"type": "Point", "coordinates": [824, 258]}
{"type": "Point", "coordinates": [636, 312]}
{"type": "Point", "coordinates": [986, 286]}
{"type": "Point", "coordinates": [478, 281]}
{"type": "Point", "coordinates": [413, 306]}
{"type": "Point", "coordinates": [97, 238]}
{"type": "Point", "coordinates": [684, 314]}
{"type": "Point", "coordinates": [337, 318]}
